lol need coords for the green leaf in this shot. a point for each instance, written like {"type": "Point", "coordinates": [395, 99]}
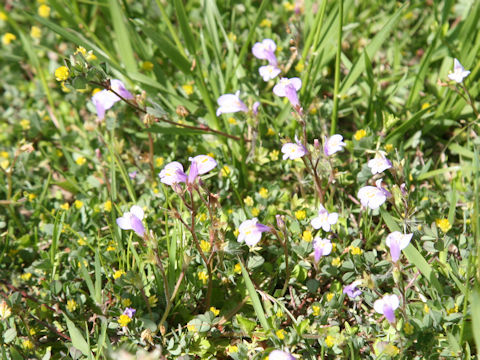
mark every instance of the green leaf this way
{"type": "Point", "coordinates": [185, 26]}
{"type": "Point", "coordinates": [9, 335]}
{"type": "Point", "coordinates": [475, 302]}
{"type": "Point", "coordinates": [245, 324]}
{"type": "Point", "coordinates": [77, 337]}
{"type": "Point", "coordinates": [123, 45]}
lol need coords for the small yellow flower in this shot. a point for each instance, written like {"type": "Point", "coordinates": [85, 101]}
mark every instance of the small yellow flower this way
{"type": "Point", "coordinates": [263, 193]}
{"type": "Point", "coordinates": [188, 89]}
{"type": "Point", "coordinates": [225, 171]}
{"type": "Point", "coordinates": [408, 328]}
{"type": "Point", "coordinates": [330, 296]}
{"type": "Point", "coordinates": [152, 300]}
{"type": "Point", "coordinates": [62, 73]}
{"type": "Point", "coordinates": [232, 121]}
{"type": "Point", "coordinates": [78, 204]}
{"type": "Point", "coordinates": [3, 16]}
{"type": "Point", "coordinates": [270, 132]}
{"type": "Point", "coordinates": [30, 196]}
{"type": "Point", "coordinates": [212, 155]}
{"type": "Point", "coordinates": [360, 134]}
{"type": "Point", "coordinates": [289, 6]}
{"type": "Point", "coordinates": [300, 214]}
{"type": "Point", "coordinates": [248, 201]}
{"type": "Point", "coordinates": [81, 50]}
{"type": "Point", "coordinates": [388, 147]}
{"type": "Point", "coordinates": [336, 262]}
{"type": "Point", "coordinates": [8, 38]}
{"type": "Point", "coordinates": [307, 236]}
{"type": "Point", "coordinates": [355, 250]}
{"type": "Point", "coordinates": [426, 308]}
{"type": "Point", "coordinates": [67, 90]}
{"type": "Point", "coordinates": [111, 248]}
{"type": "Point", "coordinates": [159, 161]}
{"type": "Point", "coordinates": [126, 302]}
{"type": "Point", "coordinates": [232, 349]}
{"type": "Point", "coordinates": [274, 155]}
{"type": "Point", "coordinates": [107, 206]}
{"type": "Point", "coordinates": [425, 105]}
{"type": "Point", "coordinates": [265, 23]}
{"type": "Point", "coordinates": [44, 11]}
{"type": "Point", "coordinates": [124, 320]}
{"type": "Point", "coordinates": [300, 67]}
{"type": "Point", "coordinates": [26, 276]}
{"type": "Point", "coordinates": [280, 334]}
{"type": "Point", "coordinates": [255, 212]}
{"type": "Point", "coordinates": [4, 164]}
{"type": "Point", "coordinates": [279, 313]}
{"type": "Point", "coordinates": [82, 241]}
{"type": "Point", "coordinates": [237, 269]}
{"type": "Point", "coordinates": [205, 246]}
{"type": "Point", "coordinates": [191, 328]}
{"type": "Point", "coordinates": [32, 331]}
{"type": "Point", "coordinates": [330, 341]}
{"type": "Point", "coordinates": [315, 310]}
{"type": "Point", "coordinates": [214, 311]}
{"type": "Point", "coordinates": [118, 274]}
{"type": "Point", "coordinates": [202, 275]}
{"type": "Point", "coordinates": [232, 37]}
{"type": "Point", "coordinates": [59, 153]}
{"type": "Point", "coordinates": [71, 305]}
{"type": "Point", "coordinates": [35, 32]}
{"type": "Point", "coordinates": [81, 160]}
{"type": "Point", "coordinates": [65, 206]}
{"type": "Point", "coordinates": [391, 350]}
{"type": "Point", "coordinates": [190, 149]}
{"type": "Point", "coordinates": [4, 154]}
{"type": "Point", "coordinates": [313, 110]}
{"type": "Point", "coordinates": [236, 232]}
{"type": "Point", "coordinates": [443, 224]}
{"type": "Point", "coordinates": [28, 344]}
{"type": "Point", "coordinates": [147, 65]}
{"type": "Point", "coordinates": [452, 310]}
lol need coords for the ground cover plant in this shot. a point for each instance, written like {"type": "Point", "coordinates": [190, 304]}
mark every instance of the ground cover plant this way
{"type": "Point", "coordinates": [239, 180]}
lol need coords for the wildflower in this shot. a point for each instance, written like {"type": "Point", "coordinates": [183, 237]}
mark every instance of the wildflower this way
{"type": "Point", "coordinates": [248, 201]}
{"type": "Point", "coordinates": [330, 341]}
{"type": "Point", "coordinates": [459, 72]}
{"type": "Point", "coordinates": [129, 312]}
{"type": "Point", "coordinates": [280, 334]}
{"type": "Point", "coordinates": [315, 310]}
{"type": "Point", "coordinates": [159, 161]}
{"type": "Point", "coordinates": [3, 16]}
{"type": "Point", "coordinates": [280, 355]}
{"type": "Point", "coordinates": [188, 89]}
{"type": "Point", "coordinates": [266, 23]}
{"type": "Point", "coordinates": [132, 175]}
{"type": "Point", "coordinates": [443, 224]}
{"type": "Point", "coordinates": [397, 241]}
{"type": "Point", "coordinates": [78, 204]}
{"type": "Point", "coordinates": [81, 160]}
{"type": "Point", "coordinates": [300, 214]}
{"type": "Point", "coordinates": [408, 328]}
{"type": "Point", "coordinates": [274, 155]}
{"type": "Point", "coordinates": [202, 275]}
{"type": "Point", "coordinates": [172, 173]}
{"type": "Point", "coordinates": [351, 290]}
{"type": "Point", "coordinates": [270, 132]}
{"type": "Point", "coordinates": [263, 192]}
{"type": "Point", "coordinates": [386, 306]}
{"type": "Point", "coordinates": [268, 72]}
{"type": "Point", "coordinates": [28, 344]}
{"type": "Point", "coordinates": [279, 313]}
{"type": "Point", "coordinates": [388, 148]}
{"type": "Point", "coordinates": [214, 311]}
{"type": "Point", "coordinates": [132, 220]}
{"type": "Point", "coordinates": [307, 236]}
{"type": "Point", "coordinates": [5, 311]}
{"type": "Point", "coordinates": [255, 107]}
{"type": "Point", "coordinates": [205, 246]}
{"type": "Point", "coordinates": [237, 268]}
{"type": "Point", "coordinates": [25, 124]}
{"type": "Point", "coordinates": [324, 219]}
{"type": "Point", "coordinates": [71, 305]}
{"type": "Point", "coordinates": [336, 262]}
{"type": "Point", "coordinates": [359, 134]}
{"type": "Point", "coordinates": [265, 50]}
{"type": "Point", "coordinates": [321, 247]}
{"type": "Point", "coordinates": [65, 206]}
{"type": "Point", "coordinates": [288, 88]}
{"type": "Point", "coordinates": [35, 32]}
{"type": "Point", "coordinates": [251, 231]}
{"type": "Point", "coordinates": [124, 320]}
{"type": "Point", "coordinates": [300, 67]}
{"type": "Point", "coordinates": [330, 296]}
{"type": "Point", "coordinates": [117, 274]}
{"type": "Point", "coordinates": [230, 103]}
{"type": "Point", "coordinates": [379, 164]}
{"type": "Point", "coordinates": [232, 121]}
{"type": "Point", "coordinates": [255, 211]}
{"type": "Point", "coordinates": [333, 144]}
{"type": "Point", "coordinates": [232, 349]}
{"type": "Point", "coordinates": [293, 151]}
{"type": "Point", "coordinates": [107, 206]}
{"type": "Point", "coordinates": [126, 302]}
{"type": "Point", "coordinates": [355, 250]}
{"type": "Point", "coordinates": [26, 276]}
{"type": "Point", "coordinates": [373, 196]}
{"type": "Point", "coordinates": [44, 11]}
{"type": "Point", "coordinates": [105, 99]}
{"type": "Point", "coordinates": [426, 308]}
{"type": "Point", "coordinates": [111, 248]}
{"type": "Point", "coordinates": [225, 171]}
{"type": "Point", "coordinates": [200, 164]}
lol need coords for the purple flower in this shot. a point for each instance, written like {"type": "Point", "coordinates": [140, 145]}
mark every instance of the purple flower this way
{"type": "Point", "coordinates": [265, 50]}
{"type": "Point", "coordinates": [105, 99]}
{"type": "Point", "coordinates": [293, 151]}
{"type": "Point", "coordinates": [172, 173]}
{"type": "Point", "coordinates": [373, 196]}
{"type": "Point", "coordinates": [129, 312]}
{"type": "Point", "coordinates": [397, 241]}
{"type": "Point", "coordinates": [459, 72]}
{"type": "Point", "coordinates": [379, 164]}
{"type": "Point", "coordinates": [333, 144]}
{"type": "Point", "coordinates": [251, 231]}
{"type": "Point", "coordinates": [230, 103]}
{"type": "Point", "coordinates": [351, 290]}
{"type": "Point", "coordinates": [132, 220]}
{"type": "Point", "coordinates": [200, 164]}
{"type": "Point", "coordinates": [288, 88]}
{"type": "Point", "coordinates": [269, 72]}
{"type": "Point", "coordinates": [321, 247]}
{"type": "Point", "coordinates": [280, 355]}
{"type": "Point", "coordinates": [324, 219]}
{"type": "Point", "coordinates": [386, 306]}
{"type": "Point", "coordinates": [132, 174]}
{"type": "Point", "coordinates": [255, 107]}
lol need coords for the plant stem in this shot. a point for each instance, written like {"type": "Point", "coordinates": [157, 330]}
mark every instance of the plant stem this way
{"type": "Point", "coordinates": [333, 127]}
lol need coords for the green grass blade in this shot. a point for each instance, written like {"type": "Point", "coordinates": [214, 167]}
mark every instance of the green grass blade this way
{"type": "Point", "coordinates": [77, 338]}
{"type": "Point", "coordinates": [122, 41]}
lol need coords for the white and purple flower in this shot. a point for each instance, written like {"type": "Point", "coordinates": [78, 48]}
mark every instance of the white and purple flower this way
{"type": "Point", "coordinates": [130, 312]}
{"type": "Point", "coordinates": [269, 72]}
{"type": "Point", "coordinates": [321, 247]}
{"type": "Point", "coordinates": [324, 219]}
{"type": "Point", "coordinates": [132, 220]}
{"type": "Point", "coordinates": [386, 306]}
{"type": "Point", "coordinates": [459, 73]}
{"type": "Point", "coordinates": [333, 144]}
{"type": "Point", "coordinates": [105, 99]}
{"type": "Point", "coordinates": [250, 231]}
{"type": "Point", "coordinates": [373, 196]}
{"type": "Point", "coordinates": [280, 355]}
{"type": "Point", "coordinates": [265, 50]}
{"type": "Point", "coordinates": [352, 290]}
{"type": "Point", "coordinates": [172, 173]}
{"type": "Point", "coordinates": [379, 164]}
{"type": "Point", "coordinates": [288, 88]}
{"type": "Point", "coordinates": [397, 241]}
{"type": "Point", "coordinates": [293, 151]}
{"type": "Point", "coordinates": [231, 103]}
